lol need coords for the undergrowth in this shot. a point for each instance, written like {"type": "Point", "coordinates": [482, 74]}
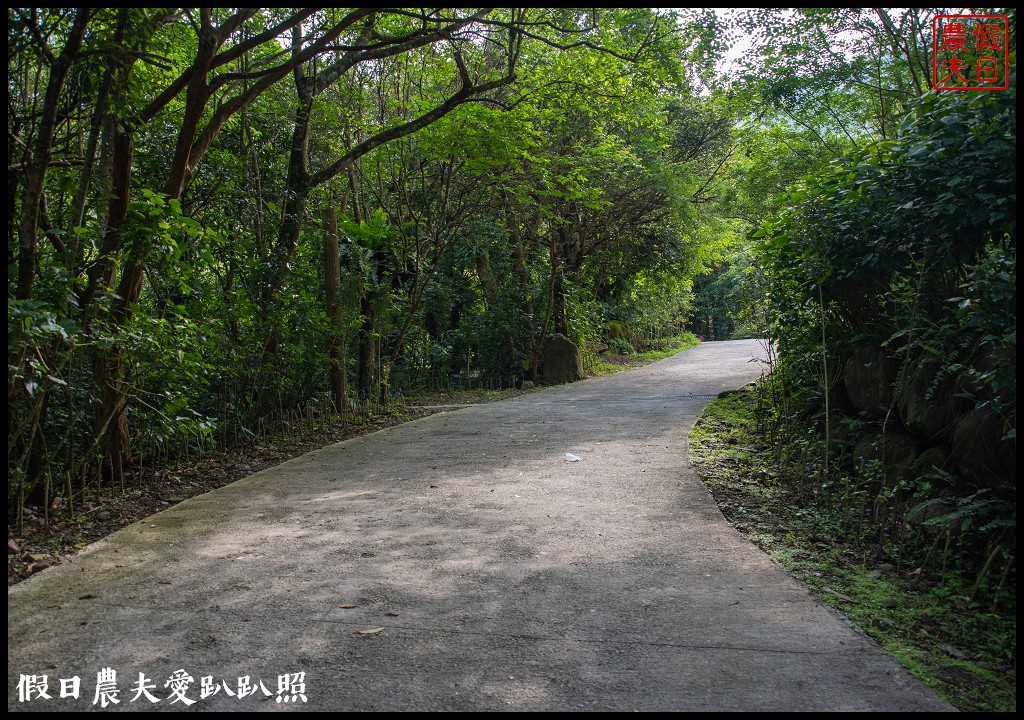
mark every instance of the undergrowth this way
{"type": "Point", "coordinates": [612, 361]}
{"type": "Point", "coordinates": [921, 613]}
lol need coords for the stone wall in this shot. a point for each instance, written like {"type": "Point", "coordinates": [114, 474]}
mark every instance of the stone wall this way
{"type": "Point", "coordinates": [913, 419]}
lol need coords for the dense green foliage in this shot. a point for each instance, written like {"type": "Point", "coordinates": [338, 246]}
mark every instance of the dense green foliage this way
{"type": "Point", "coordinates": [907, 245]}
{"type": "Point", "coordinates": [909, 240]}
{"type": "Point", "coordinates": [218, 218]}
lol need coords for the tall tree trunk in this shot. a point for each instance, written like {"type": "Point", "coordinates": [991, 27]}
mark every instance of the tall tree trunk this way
{"type": "Point", "coordinates": [42, 153]}
{"type": "Point", "coordinates": [332, 282]}
{"type": "Point", "coordinates": [100, 125]}
{"type": "Point", "coordinates": [547, 313]}
{"type": "Point", "coordinates": [488, 282]}
{"type": "Point", "coordinates": [110, 374]}
{"type": "Point", "coordinates": [275, 274]}
{"type": "Point", "coordinates": [367, 350]}
{"type": "Point", "coordinates": [111, 418]}
{"type": "Point", "coordinates": [521, 253]}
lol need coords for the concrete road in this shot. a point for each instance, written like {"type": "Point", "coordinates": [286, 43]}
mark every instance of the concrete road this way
{"type": "Point", "coordinates": [502, 576]}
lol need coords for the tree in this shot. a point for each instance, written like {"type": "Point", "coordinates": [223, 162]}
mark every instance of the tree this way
{"type": "Point", "coordinates": [162, 255]}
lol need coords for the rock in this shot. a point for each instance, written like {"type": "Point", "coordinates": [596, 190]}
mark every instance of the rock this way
{"type": "Point", "coordinates": [618, 330]}
{"type": "Point", "coordinates": [933, 459]}
{"type": "Point", "coordinates": [954, 653]}
{"type": "Point", "coordinates": [844, 428]}
{"type": "Point", "coordinates": [561, 361]}
{"type": "Point", "coordinates": [927, 401]}
{"type": "Point", "coordinates": [896, 453]}
{"type": "Point", "coordinates": [924, 511]}
{"type": "Point", "coordinates": [980, 451]}
{"type": "Point", "coordinates": [868, 376]}
{"type": "Point", "coordinates": [838, 595]}
{"type": "Point", "coordinates": [12, 547]}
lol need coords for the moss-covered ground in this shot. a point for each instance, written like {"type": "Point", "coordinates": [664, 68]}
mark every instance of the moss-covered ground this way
{"type": "Point", "coordinates": [962, 649]}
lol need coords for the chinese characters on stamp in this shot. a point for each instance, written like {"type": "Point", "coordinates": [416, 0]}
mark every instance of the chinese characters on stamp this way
{"type": "Point", "coordinates": [969, 52]}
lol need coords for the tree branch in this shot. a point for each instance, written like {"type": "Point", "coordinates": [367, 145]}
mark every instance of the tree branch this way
{"type": "Point", "coordinates": [465, 94]}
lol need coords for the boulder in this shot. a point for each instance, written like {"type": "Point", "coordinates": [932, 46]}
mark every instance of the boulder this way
{"type": "Point", "coordinates": [561, 361]}
{"type": "Point", "coordinates": [980, 451]}
{"type": "Point", "coordinates": [927, 401]}
{"type": "Point", "coordinates": [868, 376]}
{"type": "Point", "coordinates": [896, 453]}
{"type": "Point", "coordinates": [939, 458]}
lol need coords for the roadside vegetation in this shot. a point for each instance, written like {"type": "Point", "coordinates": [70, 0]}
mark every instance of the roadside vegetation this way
{"type": "Point", "coordinates": [877, 458]}
{"type": "Point", "coordinates": [610, 359]}
{"type": "Point", "coordinates": [928, 614]}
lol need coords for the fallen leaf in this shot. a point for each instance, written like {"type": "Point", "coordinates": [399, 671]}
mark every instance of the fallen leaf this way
{"type": "Point", "coordinates": [369, 632]}
{"type": "Point", "coordinates": [347, 606]}
{"type": "Point", "coordinates": [12, 547]}
{"type": "Point", "coordinates": [88, 596]}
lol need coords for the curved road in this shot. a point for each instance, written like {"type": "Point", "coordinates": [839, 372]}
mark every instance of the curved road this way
{"type": "Point", "coordinates": [504, 577]}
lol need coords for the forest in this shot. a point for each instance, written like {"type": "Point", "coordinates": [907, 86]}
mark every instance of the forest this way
{"type": "Point", "coordinates": [221, 220]}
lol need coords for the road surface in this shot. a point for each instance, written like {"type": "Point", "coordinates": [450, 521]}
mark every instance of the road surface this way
{"type": "Point", "coordinates": [457, 562]}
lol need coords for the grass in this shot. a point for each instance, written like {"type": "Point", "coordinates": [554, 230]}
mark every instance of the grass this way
{"type": "Point", "coordinates": [967, 655]}
{"type": "Point", "coordinates": [606, 364]}
{"type": "Point", "coordinates": [460, 397]}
